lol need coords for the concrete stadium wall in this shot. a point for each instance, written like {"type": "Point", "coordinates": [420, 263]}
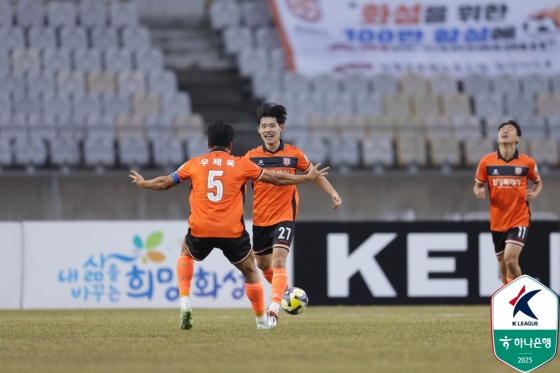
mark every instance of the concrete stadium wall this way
{"type": "Point", "coordinates": [87, 196]}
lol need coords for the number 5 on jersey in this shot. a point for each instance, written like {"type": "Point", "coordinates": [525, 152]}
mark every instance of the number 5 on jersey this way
{"type": "Point", "coordinates": [215, 183]}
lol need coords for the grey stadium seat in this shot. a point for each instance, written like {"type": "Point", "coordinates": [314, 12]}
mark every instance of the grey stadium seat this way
{"type": "Point", "coordinates": [384, 84]}
{"type": "Point", "coordinates": [167, 151]}
{"type": "Point", "coordinates": [251, 61]}
{"type": "Point", "coordinates": [148, 60]}
{"type": "Point", "coordinates": [344, 152]}
{"type": "Point", "coordinates": [224, 14]}
{"type": "Point", "coordinates": [506, 85]}
{"type": "Point", "coordinates": [487, 104]}
{"type": "Point", "coordinates": [55, 60]}
{"type": "Point", "coordinates": [377, 151]}
{"type": "Point", "coordinates": [520, 105]}
{"type": "Point", "coordinates": [237, 38]}
{"type": "Point", "coordinates": [65, 152]}
{"type": "Point", "coordinates": [130, 82]}
{"type": "Point", "coordinates": [356, 84]}
{"type": "Point", "coordinates": [92, 13]}
{"type": "Point", "coordinates": [162, 82]}
{"type": "Point", "coordinates": [27, 105]}
{"type": "Point", "coordinates": [115, 104]}
{"type": "Point", "coordinates": [411, 152]}
{"type": "Point", "coordinates": [339, 104]}
{"type": "Point", "coordinates": [11, 38]}
{"type": "Point", "coordinates": [123, 14]}
{"type": "Point", "coordinates": [61, 13]}
{"type": "Point", "coordinates": [196, 146]}
{"type": "Point", "coordinates": [99, 149]}
{"type": "Point", "coordinates": [5, 63]}
{"type": "Point", "coordinates": [466, 127]}
{"type": "Point", "coordinates": [24, 60]}
{"type": "Point", "coordinates": [133, 151]}
{"type": "Point", "coordinates": [555, 82]}
{"type": "Point", "coordinates": [443, 84]}
{"type": "Point", "coordinates": [369, 105]}
{"type": "Point", "coordinates": [295, 83]}
{"type": "Point", "coordinates": [255, 13]}
{"type": "Point", "coordinates": [86, 59]}
{"type": "Point", "coordinates": [533, 84]}
{"type": "Point", "coordinates": [58, 105]}
{"type": "Point", "coordinates": [554, 126]}
{"type": "Point", "coordinates": [104, 37]}
{"type": "Point", "coordinates": [314, 148]}
{"type": "Point", "coordinates": [267, 37]}
{"type": "Point", "coordinates": [474, 84]}
{"type": "Point", "coordinates": [476, 149]}
{"type": "Point", "coordinates": [177, 104]}
{"type": "Point", "coordinates": [100, 120]}
{"type": "Point", "coordinates": [30, 152]}
{"type": "Point", "coordinates": [325, 84]}
{"type": "Point", "coordinates": [6, 153]}
{"type": "Point", "coordinates": [73, 37]}
{"type": "Point", "coordinates": [264, 83]}
{"type": "Point", "coordinates": [545, 152]}
{"type": "Point", "coordinates": [116, 59]}
{"type": "Point", "coordinates": [70, 83]}
{"type": "Point", "coordinates": [6, 14]}
{"type": "Point", "coordinates": [86, 105]}
{"type": "Point", "coordinates": [277, 59]}
{"type": "Point", "coordinates": [5, 102]}
{"type": "Point", "coordinates": [42, 38]}
{"type": "Point", "coordinates": [30, 13]}
{"type": "Point", "coordinates": [414, 84]}
{"type": "Point", "coordinates": [14, 84]}
{"type": "Point", "coordinates": [136, 37]}
{"type": "Point", "coordinates": [533, 128]}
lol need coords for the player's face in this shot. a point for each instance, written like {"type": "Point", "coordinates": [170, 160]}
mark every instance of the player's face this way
{"type": "Point", "coordinates": [270, 130]}
{"type": "Point", "coordinates": [508, 135]}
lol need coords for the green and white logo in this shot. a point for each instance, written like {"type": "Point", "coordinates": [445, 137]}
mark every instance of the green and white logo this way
{"type": "Point", "coordinates": [524, 324]}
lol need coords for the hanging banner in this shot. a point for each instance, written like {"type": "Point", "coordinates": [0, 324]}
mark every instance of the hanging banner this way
{"type": "Point", "coordinates": [456, 36]}
{"type": "Point", "coordinates": [121, 265]}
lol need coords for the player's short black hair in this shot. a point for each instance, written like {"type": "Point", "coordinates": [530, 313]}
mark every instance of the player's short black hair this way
{"type": "Point", "coordinates": [270, 109]}
{"type": "Point", "coordinates": [513, 123]}
{"type": "Point", "coordinates": [220, 133]}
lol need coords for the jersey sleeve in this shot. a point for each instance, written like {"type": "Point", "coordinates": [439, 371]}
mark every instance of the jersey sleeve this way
{"type": "Point", "coordinates": [303, 163]}
{"type": "Point", "coordinates": [251, 170]}
{"type": "Point", "coordinates": [183, 173]}
{"type": "Point", "coordinates": [481, 175]}
{"type": "Point", "coordinates": [533, 173]}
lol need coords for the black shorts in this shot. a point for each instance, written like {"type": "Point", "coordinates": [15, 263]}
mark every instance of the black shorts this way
{"type": "Point", "coordinates": [517, 236]}
{"type": "Point", "coordinates": [277, 235]}
{"type": "Point", "coordinates": [236, 250]}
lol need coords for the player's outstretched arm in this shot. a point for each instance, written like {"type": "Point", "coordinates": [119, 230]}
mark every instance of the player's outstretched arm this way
{"type": "Point", "coordinates": [159, 183]}
{"type": "Point", "coordinates": [324, 184]}
{"type": "Point", "coordinates": [479, 190]}
{"type": "Point", "coordinates": [282, 179]}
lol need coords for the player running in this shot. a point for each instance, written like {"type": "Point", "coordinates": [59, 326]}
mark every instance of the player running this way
{"type": "Point", "coordinates": [275, 207]}
{"type": "Point", "coordinates": [506, 171]}
{"type": "Point", "coordinates": [216, 198]}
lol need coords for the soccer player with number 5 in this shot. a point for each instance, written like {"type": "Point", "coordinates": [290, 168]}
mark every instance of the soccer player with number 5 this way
{"type": "Point", "coordinates": [216, 221]}
{"type": "Point", "coordinates": [507, 173]}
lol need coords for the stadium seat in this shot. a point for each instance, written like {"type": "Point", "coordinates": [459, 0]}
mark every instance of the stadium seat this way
{"type": "Point", "coordinates": [86, 105]}
{"type": "Point", "coordinates": [339, 104]}
{"type": "Point", "coordinates": [456, 104]}
{"type": "Point", "coordinates": [252, 61]}
{"type": "Point", "coordinates": [545, 152]}
{"type": "Point", "coordinates": [101, 82]}
{"type": "Point", "coordinates": [14, 84]}
{"type": "Point", "coordinates": [357, 84]}
{"type": "Point", "coordinates": [5, 63]}
{"type": "Point", "coordinates": [115, 104]}
{"type": "Point", "coordinates": [42, 38]}
{"type": "Point", "coordinates": [6, 153]}
{"type": "Point", "coordinates": [26, 60]}
{"type": "Point", "coordinates": [237, 39]}
{"type": "Point", "coordinates": [368, 105]}
{"type": "Point", "coordinates": [57, 105]}
{"type": "Point", "coordinates": [99, 149]}
{"type": "Point", "coordinates": [186, 126]}
{"type": "Point", "coordinates": [285, 99]}
{"type": "Point", "coordinates": [255, 13]}
{"type": "Point", "coordinates": [534, 84]}
{"type": "Point", "coordinates": [30, 153]}
{"type": "Point", "coordinates": [104, 37]}
{"type": "Point", "coordinates": [548, 104]}
{"type": "Point", "coordinates": [397, 106]}
{"type": "Point", "coordinates": [265, 82]}
{"type": "Point", "coordinates": [129, 126]}
{"type": "Point", "coordinates": [438, 127]}
{"type": "Point", "coordinates": [380, 126]}
{"type": "Point", "coordinates": [475, 149]}
{"type": "Point", "coordinates": [445, 153]}
{"type": "Point", "coordinates": [413, 84]}
{"type": "Point", "coordinates": [475, 84]}
{"type": "Point", "coordinates": [506, 84]}
{"type": "Point", "coordinates": [5, 102]}
{"type": "Point", "coordinates": [555, 83]}
{"type": "Point", "coordinates": [267, 38]}
{"type": "Point", "coordinates": [117, 59]}
{"type": "Point", "coordinates": [384, 84]}
{"type": "Point", "coordinates": [411, 153]}
{"type": "Point", "coordinates": [443, 84]}
{"type": "Point", "coordinates": [425, 106]}
{"type": "Point", "coordinates": [148, 60]}
{"type": "Point", "coordinates": [123, 14]}
{"type": "Point", "coordinates": [487, 104]}
{"type": "Point", "coordinates": [29, 13]}
{"type": "Point", "coordinates": [554, 126]}
{"type": "Point", "coordinates": [86, 60]}
{"type": "Point", "coordinates": [72, 37]}
{"type": "Point", "coordinates": [466, 127]}
{"type": "Point", "coordinates": [493, 123]}
{"type": "Point", "coordinates": [6, 14]}
{"type": "Point", "coordinates": [130, 82]}
{"type": "Point", "coordinates": [162, 82]}
{"type": "Point", "coordinates": [314, 148]}
{"type": "Point", "coordinates": [520, 105]}
{"type": "Point", "coordinates": [295, 83]}
{"type": "Point", "coordinates": [92, 13]}
{"type": "Point", "coordinates": [55, 60]}
{"type": "Point", "coordinates": [176, 104]}
{"type": "Point", "coordinates": [42, 127]}
{"type": "Point", "coordinates": [26, 104]}
{"type": "Point", "coordinates": [533, 128]}
{"type": "Point", "coordinates": [410, 127]}
{"type": "Point", "coordinates": [325, 84]}
{"type": "Point", "coordinates": [70, 83]}
{"type": "Point", "coordinates": [196, 146]}
{"type": "Point", "coordinates": [12, 38]}
{"type": "Point", "coordinates": [136, 38]}
{"type": "Point", "coordinates": [277, 59]}
{"type": "Point", "coordinates": [323, 125]}
{"type": "Point", "coordinates": [224, 14]}
{"type": "Point", "coordinates": [344, 152]}
{"type": "Point", "coordinates": [145, 104]}
{"type": "Point", "coordinates": [12, 129]}
{"type": "Point", "coordinates": [167, 152]}
{"type": "Point", "coordinates": [40, 84]}
{"type": "Point", "coordinates": [61, 13]}
{"type": "Point", "coordinates": [351, 126]}
{"type": "Point", "coordinates": [133, 151]}
{"type": "Point", "coordinates": [65, 152]}
{"type": "Point", "coordinates": [377, 152]}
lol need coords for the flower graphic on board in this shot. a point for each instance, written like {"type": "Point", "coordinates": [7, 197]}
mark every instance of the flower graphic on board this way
{"type": "Point", "coordinates": [153, 240]}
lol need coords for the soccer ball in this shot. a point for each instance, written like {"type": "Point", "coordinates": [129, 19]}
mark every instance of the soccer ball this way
{"type": "Point", "coordinates": [294, 301]}
{"type": "Point", "coordinates": [539, 27]}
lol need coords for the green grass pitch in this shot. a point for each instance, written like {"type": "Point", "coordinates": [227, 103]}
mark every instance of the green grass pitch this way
{"type": "Point", "coordinates": [323, 339]}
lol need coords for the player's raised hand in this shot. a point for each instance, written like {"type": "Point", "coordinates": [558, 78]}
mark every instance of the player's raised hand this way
{"type": "Point", "coordinates": [315, 174]}
{"type": "Point", "coordinates": [481, 193]}
{"type": "Point", "coordinates": [136, 177]}
{"type": "Point", "coordinates": [529, 195]}
{"type": "Point", "coordinates": [336, 200]}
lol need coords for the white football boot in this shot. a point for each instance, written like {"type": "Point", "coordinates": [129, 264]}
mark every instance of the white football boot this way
{"type": "Point", "coordinates": [271, 321]}
{"type": "Point", "coordinates": [186, 316]}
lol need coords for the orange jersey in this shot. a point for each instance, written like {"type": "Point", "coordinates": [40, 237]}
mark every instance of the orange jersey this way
{"type": "Point", "coordinates": [217, 193]}
{"type": "Point", "coordinates": [507, 183]}
{"type": "Point", "coordinates": [273, 204]}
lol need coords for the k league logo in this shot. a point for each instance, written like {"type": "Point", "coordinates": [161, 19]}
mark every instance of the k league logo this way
{"type": "Point", "coordinates": [521, 303]}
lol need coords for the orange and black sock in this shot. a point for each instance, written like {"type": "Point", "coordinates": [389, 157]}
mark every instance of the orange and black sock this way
{"type": "Point", "coordinates": [185, 270]}
{"type": "Point", "coordinates": [268, 273]}
{"type": "Point", "coordinates": [279, 282]}
{"type": "Point", "coordinates": [255, 294]}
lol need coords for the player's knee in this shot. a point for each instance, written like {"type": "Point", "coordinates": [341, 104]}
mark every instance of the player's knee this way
{"type": "Point", "coordinates": [278, 263]}
{"type": "Point", "coordinates": [511, 262]}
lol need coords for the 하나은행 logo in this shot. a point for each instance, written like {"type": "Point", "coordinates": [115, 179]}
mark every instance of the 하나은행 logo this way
{"type": "Point", "coordinates": [153, 240]}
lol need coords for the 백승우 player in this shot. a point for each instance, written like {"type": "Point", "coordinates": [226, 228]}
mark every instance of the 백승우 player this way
{"type": "Point", "coordinates": [216, 198]}
{"type": "Point", "coordinates": [275, 207]}
{"type": "Point", "coordinates": [507, 173]}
